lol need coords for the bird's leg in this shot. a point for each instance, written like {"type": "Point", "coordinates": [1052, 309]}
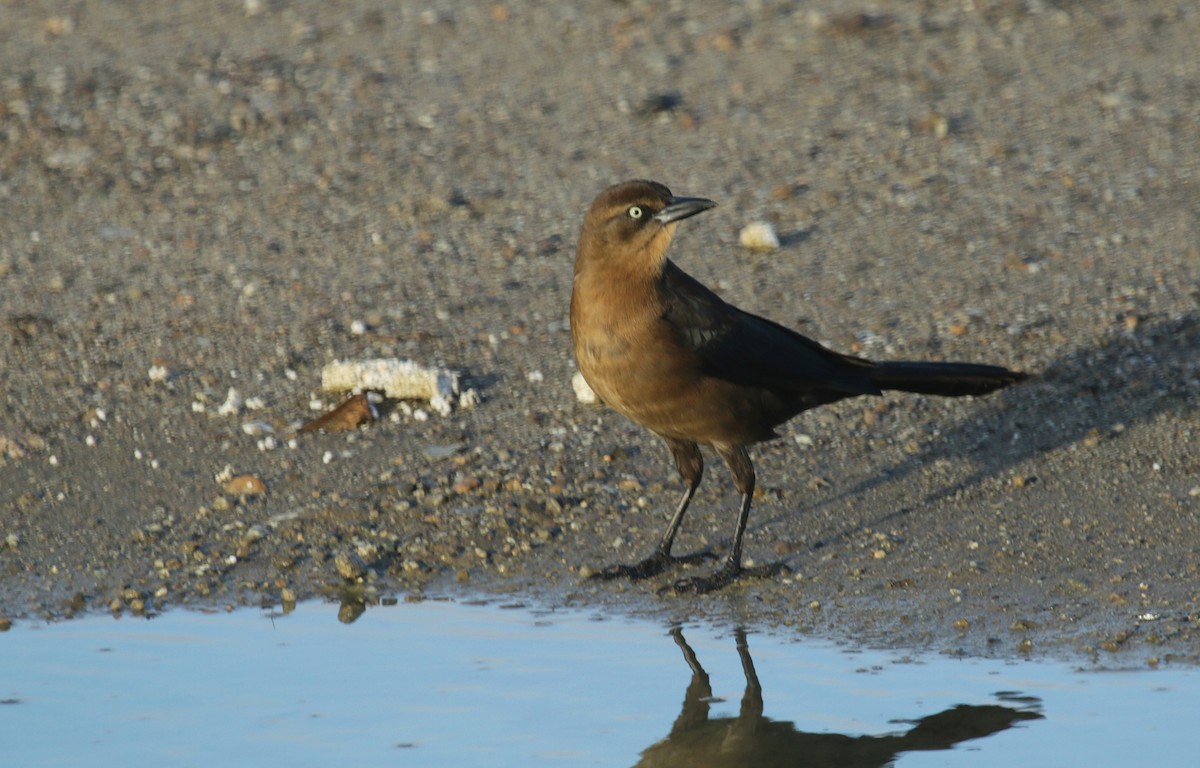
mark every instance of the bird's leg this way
{"type": "Point", "coordinates": [752, 700]}
{"type": "Point", "coordinates": [699, 695]}
{"type": "Point", "coordinates": [690, 464]}
{"type": "Point", "coordinates": [743, 478]}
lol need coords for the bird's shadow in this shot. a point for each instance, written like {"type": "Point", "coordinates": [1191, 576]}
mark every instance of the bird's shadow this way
{"type": "Point", "coordinates": [1091, 393]}
{"type": "Point", "coordinates": [792, 239]}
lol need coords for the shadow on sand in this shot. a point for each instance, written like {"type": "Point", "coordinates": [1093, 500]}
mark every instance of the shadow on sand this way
{"type": "Point", "coordinates": [1094, 392]}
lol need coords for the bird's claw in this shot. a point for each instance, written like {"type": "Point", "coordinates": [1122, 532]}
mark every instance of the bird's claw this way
{"type": "Point", "coordinates": [702, 585]}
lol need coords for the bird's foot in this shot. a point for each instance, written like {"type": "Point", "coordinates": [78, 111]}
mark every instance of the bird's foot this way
{"type": "Point", "coordinates": [652, 566]}
{"type": "Point", "coordinates": [702, 585]}
{"type": "Point", "coordinates": [644, 569]}
{"type": "Point", "coordinates": [727, 574]}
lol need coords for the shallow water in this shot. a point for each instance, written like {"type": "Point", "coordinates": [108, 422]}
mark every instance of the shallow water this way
{"type": "Point", "coordinates": [446, 684]}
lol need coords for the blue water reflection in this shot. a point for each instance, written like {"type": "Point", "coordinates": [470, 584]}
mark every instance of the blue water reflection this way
{"type": "Point", "coordinates": [445, 684]}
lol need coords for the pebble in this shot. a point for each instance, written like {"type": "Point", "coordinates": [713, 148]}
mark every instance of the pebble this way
{"type": "Point", "coordinates": [232, 405]}
{"type": "Point", "coordinates": [349, 566]}
{"type": "Point", "coordinates": [444, 451]}
{"type": "Point", "coordinates": [759, 236]}
{"type": "Point", "coordinates": [583, 391]}
{"type": "Point", "coordinates": [245, 485]}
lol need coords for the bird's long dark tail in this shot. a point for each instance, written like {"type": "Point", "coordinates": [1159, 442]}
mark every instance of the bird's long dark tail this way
{"type": "Point", "coordinates": [945, 379]}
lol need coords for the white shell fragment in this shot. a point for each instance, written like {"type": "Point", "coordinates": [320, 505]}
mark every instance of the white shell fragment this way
{"type": "Point", "coordinates": [759, 236]}
{"type": "Point", "coordinates": [232, 405]}
{"type": "Point", "coordinates": [583, 392]}
{"type": "Point", "coordinates": [398, 380]}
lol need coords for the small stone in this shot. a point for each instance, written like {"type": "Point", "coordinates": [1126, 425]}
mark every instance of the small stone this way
{"type": "Point", "coordinates": [583, 391]}
{"type": "Point", "coordinates": [257, 428]}
{"type": "Point", "coordinates": [437, 452]}
{"type": "Point", "coordinates": [962, 625]}
{"type": "Point", "coordinates": [232, 405]}
{"type": "Point", "coordinates": [1021, 481]}
{"type": "Point", "coordinates": [245, 485]}
{"type": "Point", "coordinates": [349, 566]}
{"type": "Point", "coordinates": [56, 26]}
{"type": "Point", "coordinates": [759, 236]}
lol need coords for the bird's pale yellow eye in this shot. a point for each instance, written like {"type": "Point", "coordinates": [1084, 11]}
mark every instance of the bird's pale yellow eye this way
{"type": "Point", "coordinates": [635, 212]}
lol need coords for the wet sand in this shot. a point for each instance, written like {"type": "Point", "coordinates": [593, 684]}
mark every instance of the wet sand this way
{"type": "Point", "coordinates": [198, 201]}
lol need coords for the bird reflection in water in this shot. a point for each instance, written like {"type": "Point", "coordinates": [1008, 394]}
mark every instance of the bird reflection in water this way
{"type": "Point", "coordinates": [750, 739]}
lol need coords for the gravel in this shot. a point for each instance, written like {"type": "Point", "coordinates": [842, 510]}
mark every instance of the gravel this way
{"type": "Point", "coordinates": [204, 205]}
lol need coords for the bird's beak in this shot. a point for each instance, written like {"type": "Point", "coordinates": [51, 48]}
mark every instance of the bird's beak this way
{"type": "Point", "coordinates": [681, 208]}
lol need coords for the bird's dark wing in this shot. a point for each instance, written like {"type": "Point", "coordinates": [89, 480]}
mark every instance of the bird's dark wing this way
{"type": "Point", "coordinates": [747, 349]}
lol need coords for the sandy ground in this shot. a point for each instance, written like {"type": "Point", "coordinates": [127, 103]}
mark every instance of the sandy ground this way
{"type": "Point", "coordinates": [202, 196]}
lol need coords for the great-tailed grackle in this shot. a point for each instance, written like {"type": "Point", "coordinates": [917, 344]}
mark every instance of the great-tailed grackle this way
{"type": "Point", "coordinates": [666, 352]}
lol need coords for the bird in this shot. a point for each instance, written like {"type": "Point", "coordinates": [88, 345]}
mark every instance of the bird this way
{"type": "Point", "coordinates": [663, 350]}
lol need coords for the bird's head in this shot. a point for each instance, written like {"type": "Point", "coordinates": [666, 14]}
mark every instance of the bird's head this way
{"type": "Point", "coordinates": [634, 222]}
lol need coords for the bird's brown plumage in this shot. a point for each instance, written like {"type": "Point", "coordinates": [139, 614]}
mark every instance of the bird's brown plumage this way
{"type": "Point", "coordinates": [660, 348]}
